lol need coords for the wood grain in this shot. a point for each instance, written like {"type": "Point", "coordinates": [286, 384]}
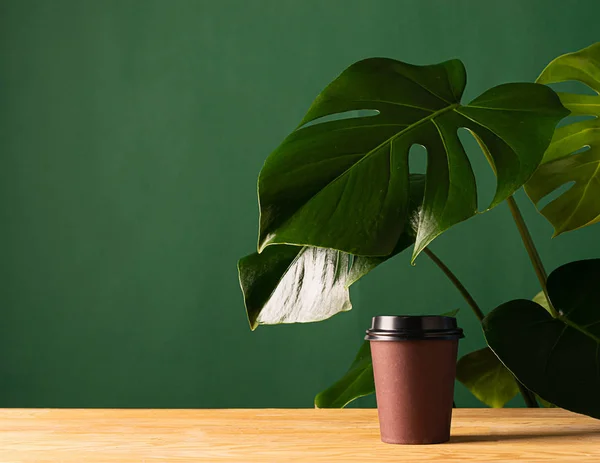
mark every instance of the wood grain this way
{"type": "Point", "coordinates": [305, 435]}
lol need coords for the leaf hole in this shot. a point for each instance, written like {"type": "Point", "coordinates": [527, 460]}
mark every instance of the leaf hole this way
{"type": "Point", "coordinates": [354, 114]}
{"type": "Point", "coordinates": [484, 174]}
{"type": "Point", "coordinates": [573, 86]}
{"type": "Point", "coordinates": [573, 119]}
{"type": "Point", "coordinates": [554, 194]}
{"type": "Point", "coordinates": [581, 150]}
{"type": "Point", "coordinates": [417, 159]}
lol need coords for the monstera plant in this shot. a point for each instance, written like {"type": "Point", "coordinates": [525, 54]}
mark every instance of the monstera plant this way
{"type": "Point", "coordinates": [339, 196]}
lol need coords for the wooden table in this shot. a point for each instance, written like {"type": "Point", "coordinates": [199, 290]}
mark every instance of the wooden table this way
{"type": "Point", "coordinates": [305, 435]}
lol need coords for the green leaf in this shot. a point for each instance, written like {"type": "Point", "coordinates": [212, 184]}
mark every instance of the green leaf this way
{"type": "Point", "coordinates": [300, 284]}
{"type": "Point", "coordinates": [343, 184]}
{"type": "Point", "coordinates": [540, 298]}
{"type": "Point", "coordinates": [545, 403]}
{"type": "Point", "coordinates": [452, 313]}
{"type": "Point", "coordinates": [358, 380]}
{"type": "Point", "coordinates": [563, 162]}
{"type": "Point", "coordinates": [487, 378]}
{"type": "Point", "coordinates": [291, 284]}
{"type": "Point", "coordinates": [557, 358]}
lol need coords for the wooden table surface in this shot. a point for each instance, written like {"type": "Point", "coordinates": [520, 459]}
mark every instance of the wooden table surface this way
{"type": "Point", "coordinates": [269, 435]}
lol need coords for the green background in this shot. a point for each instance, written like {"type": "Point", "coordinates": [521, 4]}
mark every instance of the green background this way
{"type": "Point", "coordinates": [131, 136]}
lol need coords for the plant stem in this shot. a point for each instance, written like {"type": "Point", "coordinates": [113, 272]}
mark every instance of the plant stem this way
{"type": "Point", "coordinates": [534, 256]}
{"type": "Point", "coordinates": [456, 282]}
{"type": "Point", "coordinates": [528, 396]}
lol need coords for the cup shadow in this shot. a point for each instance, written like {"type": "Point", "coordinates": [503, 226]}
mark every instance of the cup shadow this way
{"type": "Point", "coordinates": [539, 434]}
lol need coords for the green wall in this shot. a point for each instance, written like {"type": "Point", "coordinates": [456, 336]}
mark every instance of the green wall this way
{"type": "Point", "coordinates": [131, 135]}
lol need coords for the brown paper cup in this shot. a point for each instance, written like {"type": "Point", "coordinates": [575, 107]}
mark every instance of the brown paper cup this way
{"type": "Point", "coordinates": [414, 374]}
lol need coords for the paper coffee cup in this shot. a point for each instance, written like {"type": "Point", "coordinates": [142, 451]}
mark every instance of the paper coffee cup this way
{"type": "Point", "coordinates": [414, 365]}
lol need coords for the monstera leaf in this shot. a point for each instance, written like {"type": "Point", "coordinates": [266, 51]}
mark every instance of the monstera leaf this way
{"type": "Point", "coordinates": [299, 284]}
{"type": "Point", "coordinates": [564, 162]}
{"type": "Point", "coordinates": [357, 382]}
{"type": "Point", "coordinates": [487, 378]}
{"type": "Point", "coordinates": [557, 358]}
{"type": "Point", "coordinates": [343, 184]}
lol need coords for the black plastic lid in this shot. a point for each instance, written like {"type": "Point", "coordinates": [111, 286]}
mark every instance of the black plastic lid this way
{"type": "Point", "coordinates": [414, 327]}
